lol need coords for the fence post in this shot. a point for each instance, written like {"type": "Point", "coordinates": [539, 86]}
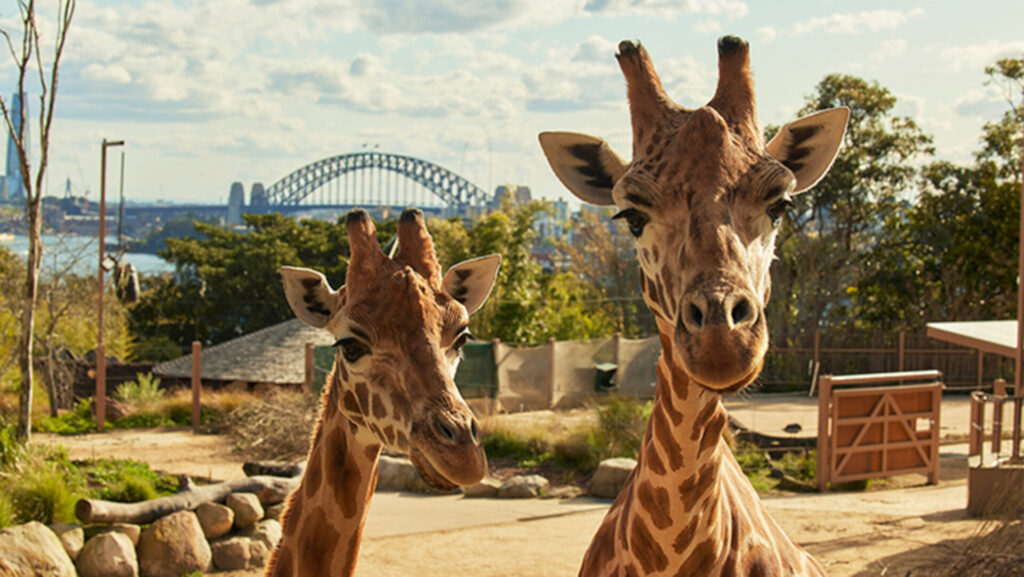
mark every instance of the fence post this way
{"type": "Point", "coordinates": [308, 383]}
{"type": "Point", "coordinates": [551, 373]}
{"type": "Point", "coordinates": [998, 394]}
{"type": "Point", "coordinates": [981, 369]}
{"type": "Point", "coordinates": [902, 349]}
{"type": "Point", "coordinates": [617, 339]}
{"type": "Point", "coordinates": [824, 409]}
{"type": "Point", "coordinates": [817, 348]}
{"type": "Point", "coordinates": [976, 432]}
{"type": "Point", "coordinates": [197, 382]}
{"type": "Point", "coordinates": [101, 385]}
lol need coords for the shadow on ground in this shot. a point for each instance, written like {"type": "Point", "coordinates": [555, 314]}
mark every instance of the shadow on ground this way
{"type": "Point", "coordinates": [996, 549]}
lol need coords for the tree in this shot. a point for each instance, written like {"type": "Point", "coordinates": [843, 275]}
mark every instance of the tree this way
{"type": "Point", "coordinates": [833, 226]}
{"type": "Point", "coordinates": [26, 53]}
{"type": "Point", "coordinates": [227, 283]}
{"type": "Point", "coordinates": [953, 254]}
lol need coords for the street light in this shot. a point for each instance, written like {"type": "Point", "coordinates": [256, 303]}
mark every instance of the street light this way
{"type": "Point", "coordinates": [101, 352]}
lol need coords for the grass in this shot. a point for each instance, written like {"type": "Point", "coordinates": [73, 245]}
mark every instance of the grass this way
{"type": "Point", "coordinates": [75, 422]}
{"type": "Point", "coordinates": [125, 480]}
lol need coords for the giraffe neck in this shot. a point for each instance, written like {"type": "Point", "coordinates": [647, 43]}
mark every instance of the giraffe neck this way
{"type": "Point", "coordinates": [688, 509]}
{"type": "Point", "coordinates": [323, 519]}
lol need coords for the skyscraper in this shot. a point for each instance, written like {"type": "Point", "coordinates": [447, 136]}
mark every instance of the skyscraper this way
{"type": "Point", "coordinates": [14, 185]}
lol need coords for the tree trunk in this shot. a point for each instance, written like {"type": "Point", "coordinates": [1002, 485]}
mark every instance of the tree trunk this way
{"type": "Point", "coordinates": [270, 490]}
{"type": "Point", "coordinates": [29, 316]}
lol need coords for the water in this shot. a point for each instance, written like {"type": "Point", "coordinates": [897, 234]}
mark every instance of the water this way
{"type": "Point", "coordinates": [81, 254]}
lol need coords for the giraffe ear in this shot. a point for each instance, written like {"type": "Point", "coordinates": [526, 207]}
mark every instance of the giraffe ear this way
{"type": "Point", "coordinates": [586, 165]}
{"type": "Point", "coordinates": [310, 296]}
{"type": "Point", "coordinates": [470, 281]}
{"type": "Point", "coordinates": [809, 145]}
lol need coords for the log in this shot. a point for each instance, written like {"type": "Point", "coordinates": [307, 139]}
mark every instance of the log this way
{"type": "Point", "coordinates": [273, 468]}
{"type": "Point", "coordinates": [270, 490]}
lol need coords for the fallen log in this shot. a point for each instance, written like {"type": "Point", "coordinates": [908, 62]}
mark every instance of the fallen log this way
{"type": "Point", "coordinates": [273, 468]}
{"type": "Point", "coordinates": [270, 490]}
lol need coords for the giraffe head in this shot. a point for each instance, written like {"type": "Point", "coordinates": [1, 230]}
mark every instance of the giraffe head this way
{"type": "Point", "coordinates": [703, 195]}
{"type": "Point", "coordinates": [399, 326]}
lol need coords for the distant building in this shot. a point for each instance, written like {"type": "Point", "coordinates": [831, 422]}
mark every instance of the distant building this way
{"type": "Point", "coordinates": [14, 186]}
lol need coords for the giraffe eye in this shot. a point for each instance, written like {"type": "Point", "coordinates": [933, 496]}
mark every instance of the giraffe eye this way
{"type": "Point", "coordinates": [461, 341]}
{"type": "Point", "coordinates": [635, 219]}
{"type": "Point", "coordinates": [352, 349]}
{"type": "Point", "coordinates": [779, 208]}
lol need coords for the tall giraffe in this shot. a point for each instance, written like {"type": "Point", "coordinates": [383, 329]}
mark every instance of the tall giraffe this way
{"type": "Point", "coordinates": [399, 327]}
{"type": "Point", "coordinates": [703, 195]}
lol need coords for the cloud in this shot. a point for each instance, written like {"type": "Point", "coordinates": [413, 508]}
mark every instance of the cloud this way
{"type": "Point", "coordinates": [732, 9]}
{"type": "Point", "coordinates": [850, 23]}
{"type": "Point", "coordinates": [707, 26]}
{"type": "Point", "coordinates": [977, 56]}
{"type": "Point", "coordinates": [987, 103]}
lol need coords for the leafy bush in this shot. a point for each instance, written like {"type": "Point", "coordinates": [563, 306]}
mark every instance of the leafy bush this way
{"type": "Point", "coordinates": [76, 422]}
{"type": "Point", "coordinates": [46, 489]}
{"type": "Point", "coordinates": [125, 480]}
{"type": "Point", "coordinates": [503, 443]}
{"type": "Point", "coordinates": [144, 420]}
{"type": "Point", "coordinates": [12, 451]}
{"type": "Point", "coordinates": [144, 391]}
{"type": "Point", "coordinates": [7, 512]}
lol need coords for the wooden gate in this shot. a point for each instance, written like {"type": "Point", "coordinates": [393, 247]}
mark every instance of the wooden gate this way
{"type": "Point", "coordinates": [872, 432]}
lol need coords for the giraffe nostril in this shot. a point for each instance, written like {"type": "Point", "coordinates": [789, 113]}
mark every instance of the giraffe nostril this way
{"type": "Point", "coordinates": [444, 429]}
{"type": "Point", "coordinates": [695, 316]}
{"type": "Point", "coordinates": [474, 431]}
{"type": "Point", "coordinates": [740, 311]}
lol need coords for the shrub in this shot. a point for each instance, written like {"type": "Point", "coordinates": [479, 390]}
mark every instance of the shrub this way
{"type": "Point", "coordinates": [7, 512]}
{"type": "Point", "coordinates": [46, 490]}
{"type": "Point", "coordinates": [144, 391]}
{"type": "Point", "coordinates": [143, 420]}
{"type": "Point", "coordinates": [126, 481]}
{"type": "Point", "coordinates": [12, 451]}
{"type": "Point", "coordinates": [275, 427]}
{"type": "Point", "coordinates": [76, 422]}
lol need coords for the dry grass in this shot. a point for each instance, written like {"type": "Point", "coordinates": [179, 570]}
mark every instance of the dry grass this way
{"type": "Point", "coordinates": [276, 427]}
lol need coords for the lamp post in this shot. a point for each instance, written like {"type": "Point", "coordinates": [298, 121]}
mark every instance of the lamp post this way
{"type": "Point", "coordinates": [101, 352]}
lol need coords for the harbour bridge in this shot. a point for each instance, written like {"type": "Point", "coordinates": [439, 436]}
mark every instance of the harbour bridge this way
{"type": "Point", "coordinates": [364, 179]}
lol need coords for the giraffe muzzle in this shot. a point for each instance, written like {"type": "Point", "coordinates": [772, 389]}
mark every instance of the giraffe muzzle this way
{"type": "Point", "coordinates": [447, 450]}
{"type": "Point", "coordinates": [721, 338]}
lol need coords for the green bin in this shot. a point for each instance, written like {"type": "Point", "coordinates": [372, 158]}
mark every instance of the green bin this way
{"type": "Point", "coordinates": [603, 377]}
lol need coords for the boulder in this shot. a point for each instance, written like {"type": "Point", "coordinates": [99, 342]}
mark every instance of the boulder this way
{"type": "Point", "coordinates": [108, 555]}
{"type": "Point", "coordinates": [71, 536]}
{"type": "Point", "coordinates": [233, 553]}
{"type": "Point", "coordinates": [523, 487]}
{"type": "Point", "coordinates": [610, 476]}
{"type": "Point", "coordinates": [247, 508]}
{"type": "Point", "coordinates": [129, 530]}
{"type": "Point", "coordinates": [275, 512]}
{"type": "Point", "coordinates": [485, 489]}
{"type": "Point", "coordinates": [33, 550]}
{"type": "Point", "coordinates": [215, 519]}
{"type": "Point", "coordinates": [563, 492]}
{"type": "Point", "coordinates": [174, 545]}
{"type": "Point", "coordinates": [398, 474]}
{"type": "Point", "coordinates": [267, 531]}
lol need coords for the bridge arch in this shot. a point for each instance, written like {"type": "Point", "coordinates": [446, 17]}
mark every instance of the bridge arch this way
{"type": "Point", "coordinates": [451, 188]}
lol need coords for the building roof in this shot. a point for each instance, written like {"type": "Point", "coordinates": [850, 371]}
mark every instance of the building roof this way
{"type": "Point", "coordinates": [275, 354]}
{"type": "Point", "coordinates": [997, 337]}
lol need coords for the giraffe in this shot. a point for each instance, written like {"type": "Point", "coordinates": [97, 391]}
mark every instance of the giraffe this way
{"type": "Point", "coordinates": [703, 196]}
{"type": "Point", "coordinates": [399, 327]}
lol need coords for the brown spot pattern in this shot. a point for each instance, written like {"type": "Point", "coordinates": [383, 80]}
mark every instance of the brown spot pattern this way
{"type": "Point", "coordinates": [656, 501]}
{"type": "Point", "coordinates": [663, 435]}
{"type": "Point", "coordinates": [645, 547]}
{"type": "Point", "coordinates": [316, 541]}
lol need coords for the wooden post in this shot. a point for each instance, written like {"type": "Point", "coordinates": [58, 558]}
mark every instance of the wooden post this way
{"type": "Point", "coordinates": [902, 350]}
{"type": "Point", "coordinates": [197, 382]}
{"type": "Point", "coordinates": [817, 348]}
{"type": "Point", "coordinates": [824, 411]}
{"type": "Point", "coordinates": [101, 385]}
{"type": "Point", "coordinates": [976, 432]}
{"type": "Point", "coordinates": [1018, 403]}
{"type": "Point", "coordinates": [999, 395]}
{"type": "Point", "coordinates": [309, 369]}
{"type": "Point", "coordinates": [551, 373]}
{"type": "Point", "coordinates": [935, 429]}
{"type": "Point", "coordinates": [981, 368]}
{"type": "Point", "coordinates": [617, 340]}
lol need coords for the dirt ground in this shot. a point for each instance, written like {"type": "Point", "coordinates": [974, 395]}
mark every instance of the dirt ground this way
{"type": "Point", "coordinates": [878, 532]}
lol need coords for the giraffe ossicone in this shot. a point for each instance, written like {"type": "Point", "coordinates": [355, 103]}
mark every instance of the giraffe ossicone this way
{"type": "Point", "coordinates": [399, 326]}
{"type": "Point", "coordinates": [703, 195]}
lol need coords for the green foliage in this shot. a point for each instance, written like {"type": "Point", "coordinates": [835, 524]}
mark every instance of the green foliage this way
{"type": "Point", "coordinates": [145, 420]}
{"type": "Point", "coordinates": [76, 422]}
{"type": "Point", "coordinates": [144, 390]}
{"type": "Point", "coordinates": [46, 490]}
{"type": "Point", "coordinates": [12, 450]}
{"type": "Point", "coordinates": [7, 510]}
{"type": "Point", "coordinates": [178, 227]}
{"type": "Point", "coordinates": [155, 349]}
{"type": "Point", "coordinates": [527, 451]}
{"type": "Point", "coordinates": [126, 481]}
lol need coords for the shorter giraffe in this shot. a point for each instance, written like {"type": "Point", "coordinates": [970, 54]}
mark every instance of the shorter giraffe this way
{"type": "Point", "coordinates": [399, 326]}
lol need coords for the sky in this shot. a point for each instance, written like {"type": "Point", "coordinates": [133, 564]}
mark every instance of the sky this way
{"type": "Point", "coordinates": [209, 92]}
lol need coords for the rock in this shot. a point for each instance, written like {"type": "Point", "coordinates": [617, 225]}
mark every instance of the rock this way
{"type": "Point", "coordinates": [274, 512]}
{"type": "Point", "coordinates": [108, 555]}
{"type": "Point", "coordinates": [174, 545]}
{"type": "Point", "coordinates": [267, 531]}
{"type": "Point", "coordinates": [610, 476]}
{"type": "Point", "coordinates": [215, 519]}
{"type": "Point", "coordinates": [232, 553]}
{"type": "Point", "coordinates": [128, 530]}
{"type": "Point", "coordinates": [247, 508]}
{"type": "Point", "coordinates": [523, 487]}
{"type": "Point", "coordinates": [563, 492]}
{"type": "Point", "coordinates": [71, 536]}
{"type": "Point", "coordinates": [485, 489]}
{"type": "Point", "coordinates": [398, 474]}
{"type": "Point", "coordinates": [33, 550]}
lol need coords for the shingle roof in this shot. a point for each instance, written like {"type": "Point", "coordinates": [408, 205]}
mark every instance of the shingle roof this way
{"type": "Point", "coordinates": [275, 354]}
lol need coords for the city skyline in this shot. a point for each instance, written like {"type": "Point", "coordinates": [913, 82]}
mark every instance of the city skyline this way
{"type": "Point", "coordinates": [209, 93]}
